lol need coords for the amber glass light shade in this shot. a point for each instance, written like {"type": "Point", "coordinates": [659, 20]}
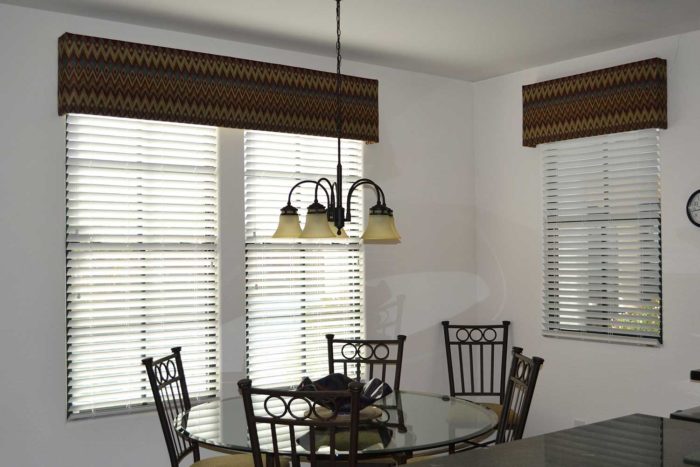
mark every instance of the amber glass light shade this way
{"type": "Point", "coordinates": [393, 226]}
{"type": "Point", "coordinates": [381, 226]}
{"type": "Point", "coordinates": [288, 225]}
{"type": "Point", "coordinates": [316, 225]}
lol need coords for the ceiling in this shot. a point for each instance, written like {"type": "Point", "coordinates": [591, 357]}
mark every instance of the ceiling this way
{"type": "Point", "coordinates": [465, 39]}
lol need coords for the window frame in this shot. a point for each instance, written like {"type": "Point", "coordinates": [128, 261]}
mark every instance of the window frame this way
{"type": "Point", "coordinates": [113, 165]}
{"type": "Point", "coordinates": [620, 223]}
{"type": "Point", "coordinates": [294, 166]}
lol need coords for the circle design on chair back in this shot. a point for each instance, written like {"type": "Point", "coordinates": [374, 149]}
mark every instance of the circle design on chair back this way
{"type": "Point", "coordinates": [521, 370]}
{"type": "Point", "coordinates": [304, 403]}
{"type": "Point", "coordinates": [376, 354]}
{"type": "Point", "coordinates": [463, 338]}
{"type": "Point", "coordinates": [476, 334]}
{"type": "Point", "coordinates": [166, 371]}
{"type": "Point", "coordinates": [490, 334]}
{"type": "Point", "coordinates": [284, 407]}
{"type": "Point", "coordinates": [384, 417]}
{"type": "Point", "coordinates": [321, 411]}
{"type": "Point", "coordinates": [526, 372]}
{"type": "Point", "coordinates": [365, 351]}
{"type": "Point", "coordinates": [354, 351]}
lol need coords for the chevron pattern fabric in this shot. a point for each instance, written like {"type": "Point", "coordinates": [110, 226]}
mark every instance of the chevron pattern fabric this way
{"type": "Point", "coordinates": [612, 100]}
{"type": "Point", "coordinates": [123, 79]}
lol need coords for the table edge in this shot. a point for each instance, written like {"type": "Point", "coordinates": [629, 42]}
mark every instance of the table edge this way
{"type": "Point", "coordinates": [361, 454]}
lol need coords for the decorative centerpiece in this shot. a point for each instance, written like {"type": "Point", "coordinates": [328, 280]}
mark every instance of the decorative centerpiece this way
{"type": "Point", "coordinates": [372, 391]}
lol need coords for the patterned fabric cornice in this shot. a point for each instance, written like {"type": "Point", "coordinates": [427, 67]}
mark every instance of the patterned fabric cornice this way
{"type": "Point", "coordinates": [123, 79]}
{"type": "Point", "coordinates": [612, 100]}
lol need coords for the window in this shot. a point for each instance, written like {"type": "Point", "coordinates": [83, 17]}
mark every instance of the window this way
{"type": "Point", "coordinates": [602, 238]}
{"type": "Point", "coordinates": [141, 258]}
{"type": "Point", "coordinates": [297, 290]}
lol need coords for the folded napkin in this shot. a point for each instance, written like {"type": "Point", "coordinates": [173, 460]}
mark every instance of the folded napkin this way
{"type": "Point", "coordinates": [372, 391]}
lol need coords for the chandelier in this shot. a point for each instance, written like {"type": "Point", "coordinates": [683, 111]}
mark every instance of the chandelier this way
{"type": "Point", "coordinates": [328, 223]}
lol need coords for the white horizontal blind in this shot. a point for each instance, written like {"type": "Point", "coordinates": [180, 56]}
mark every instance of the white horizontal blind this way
{"type": "Point", "coordinates": [297, 290]}
{"type": "Point", "coordinates": [602, 237]}
{"type": "Point", "coordinates": [141, 258]}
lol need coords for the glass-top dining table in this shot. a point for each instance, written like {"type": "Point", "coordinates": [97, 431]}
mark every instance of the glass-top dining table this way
{"type": "Point", "coordinates": [411, 422]}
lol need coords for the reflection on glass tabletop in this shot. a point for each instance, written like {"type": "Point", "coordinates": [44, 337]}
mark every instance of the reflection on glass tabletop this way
{"type": "Point", "coordinates": [411, 421]}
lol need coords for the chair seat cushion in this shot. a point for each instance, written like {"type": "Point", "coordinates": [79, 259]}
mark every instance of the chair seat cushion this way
{"type": "Point", "coordinates": [498, 408]}
{"type": "Point", "coordinates": [234, 460]}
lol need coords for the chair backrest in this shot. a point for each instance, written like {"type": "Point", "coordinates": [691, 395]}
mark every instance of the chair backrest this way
{"type": "Point", "coordinates": [376, 355]}
{"type": "Point", "coordinates": [285, 418]}
{"type": "Point", "coordinates": [169, 387]}
{"type": "Point", "coordinates": [476, 358]}
{"type": "Point", "coordinates": [516, 404]}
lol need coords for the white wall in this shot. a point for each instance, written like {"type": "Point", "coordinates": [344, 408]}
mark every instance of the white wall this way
{"type": "Point", "coordinates": [424, 163]}
{"type": "Point", "coordinates": [589, 381]}
{"type": "Point", "coordinates": [446, 146]}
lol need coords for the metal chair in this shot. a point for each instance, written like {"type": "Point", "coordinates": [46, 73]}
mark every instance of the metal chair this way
{"type": "Point", "coordinates": [376, 355]}
{"type": "Point", "coordinates": [476, 361]}
{"type": "Point", "coordinates": [518, 396]}
{"type": "Point", "coordinates": [484, 373]}
{"type": "Point", "coordinates": [477, 364]}
{"type": "Point", "coordinates": [167, 378]}
{"type": "Point", "coordinates": [516, 401]}
{"type": "Point", "coordinates": [311, 419]}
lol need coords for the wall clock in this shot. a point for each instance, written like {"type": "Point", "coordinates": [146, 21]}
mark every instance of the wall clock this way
{"type": "Point", "coordinates": [693, 208]}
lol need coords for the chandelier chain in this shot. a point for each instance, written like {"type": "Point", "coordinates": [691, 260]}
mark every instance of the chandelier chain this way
{"type": "Point", "coordinates": [339, 57]}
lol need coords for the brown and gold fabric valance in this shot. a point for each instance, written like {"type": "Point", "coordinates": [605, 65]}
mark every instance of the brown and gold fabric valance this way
{"type": "Point", "coordinates": [622, 98]}
{"type": "Point", "coordinates": [122, 79]}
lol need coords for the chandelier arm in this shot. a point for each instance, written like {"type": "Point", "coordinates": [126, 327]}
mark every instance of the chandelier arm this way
{"type": "Point", "coordinates": [331, 202]}
{"type": "Point", "coordinates": [317, 182]}
{"type": "Point", "coordinates": [364, 181]}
